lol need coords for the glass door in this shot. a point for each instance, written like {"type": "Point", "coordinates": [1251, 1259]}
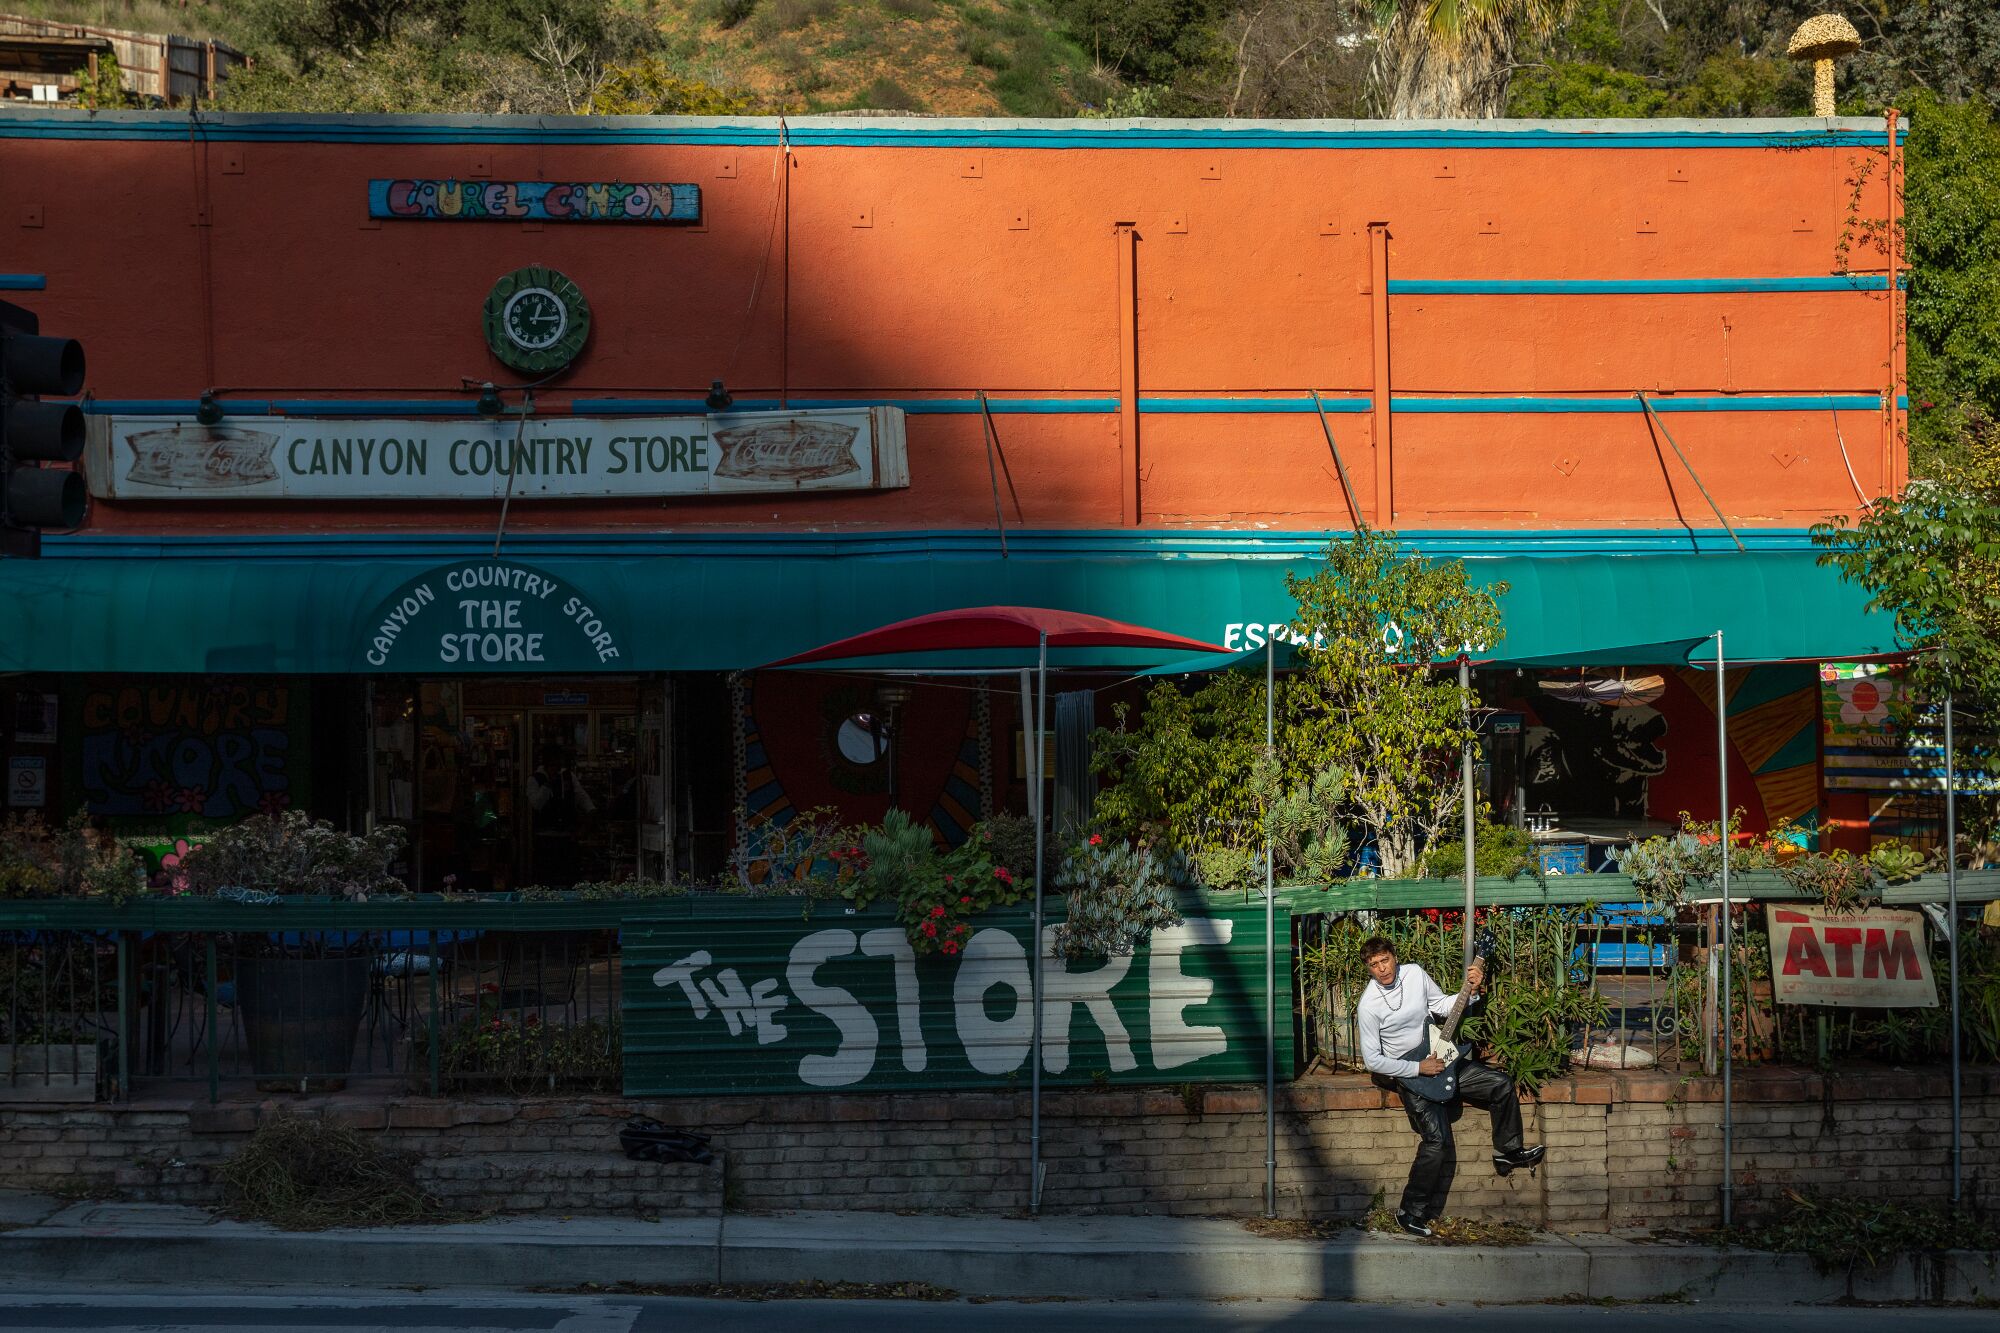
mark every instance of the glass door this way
{"type": "Point", "coordinates": [484, 840]}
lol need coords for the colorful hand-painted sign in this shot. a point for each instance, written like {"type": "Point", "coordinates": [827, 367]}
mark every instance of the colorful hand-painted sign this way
{"type": "Point", "coordinates": [1873, 960]}
{"type": "Point", "coordinates": [535, 201]}
{"type": "Point", "coordinates": [488, 615]}
{"type": "Point", "coordinates": [755, 998]}
{"type": "Point", "coordinates": [182, 750]}
{"type": "Point", "coordinates": [279, 458]}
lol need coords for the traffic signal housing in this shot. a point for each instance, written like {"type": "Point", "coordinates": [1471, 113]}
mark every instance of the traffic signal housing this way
{"type": "Point", "coordinates": [32, 433]}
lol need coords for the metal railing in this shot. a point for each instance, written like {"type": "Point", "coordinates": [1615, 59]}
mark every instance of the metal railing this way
{"type": "Point", "coordinates": [1649, 1005]}
{"type": "Point", "coordinates": [504, 997]}
{"type": "Point", "coordinates": [436, 995]}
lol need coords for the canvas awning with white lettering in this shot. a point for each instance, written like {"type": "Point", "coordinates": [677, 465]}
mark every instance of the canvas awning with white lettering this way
{"type": "Point", "coordinates": [570, 613]}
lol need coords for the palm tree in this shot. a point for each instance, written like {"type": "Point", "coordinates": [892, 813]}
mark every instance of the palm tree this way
{"type": "Point", "coordinates": [1450, 59]}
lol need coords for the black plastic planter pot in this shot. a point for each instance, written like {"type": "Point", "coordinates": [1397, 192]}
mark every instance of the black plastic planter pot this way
{"type": "Point", "coordinates": [300, 1018]}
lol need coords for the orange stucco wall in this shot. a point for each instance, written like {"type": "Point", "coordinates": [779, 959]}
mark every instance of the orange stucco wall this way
{"type": "Point", "coordinates": [217, 260]}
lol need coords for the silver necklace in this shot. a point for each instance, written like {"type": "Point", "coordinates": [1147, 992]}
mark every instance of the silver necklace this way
{"type": "Point", "coordinates": [1392, 996]}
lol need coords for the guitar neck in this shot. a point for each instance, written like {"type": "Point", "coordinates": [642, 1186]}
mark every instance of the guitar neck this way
{"type": "Point", "coordinates": [1450, 1025]}
{"type": "Point", "coordinates": [1451, 1020]}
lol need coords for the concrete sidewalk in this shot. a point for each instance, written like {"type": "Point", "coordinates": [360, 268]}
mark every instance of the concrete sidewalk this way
{"type": "Point", "coordinates": [1138, 1258]}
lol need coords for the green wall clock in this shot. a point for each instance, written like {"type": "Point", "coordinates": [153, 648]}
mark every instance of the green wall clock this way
{"type": "Point", "coordinates": [536, 320]}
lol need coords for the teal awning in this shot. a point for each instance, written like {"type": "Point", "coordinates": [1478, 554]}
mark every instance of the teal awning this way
{"type": "Point", "coordinates": [474, 615]}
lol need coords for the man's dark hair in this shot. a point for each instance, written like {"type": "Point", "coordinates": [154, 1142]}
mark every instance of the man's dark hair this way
{"type": "Point", "coordinates": [1374, 947]}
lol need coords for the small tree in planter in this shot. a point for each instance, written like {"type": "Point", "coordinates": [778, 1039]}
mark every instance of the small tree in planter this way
{"type": "Point", "coordinates": [1377, 699]}
{"type": "Point", "coordinates": [300, 995]}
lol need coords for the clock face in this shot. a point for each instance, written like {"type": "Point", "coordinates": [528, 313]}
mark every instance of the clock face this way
{"type": "Point", "coordinates": [536, 320]}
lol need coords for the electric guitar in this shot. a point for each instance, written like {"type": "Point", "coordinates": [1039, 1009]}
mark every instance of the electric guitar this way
{"type": "Point", "coordinates": [1441, 1038]}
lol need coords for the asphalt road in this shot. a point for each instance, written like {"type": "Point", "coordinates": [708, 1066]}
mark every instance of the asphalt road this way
{"type": "Point", "coordinates": [433, 1312]}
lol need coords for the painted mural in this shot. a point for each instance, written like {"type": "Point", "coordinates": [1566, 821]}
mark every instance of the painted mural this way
{"type": "Point", "coordinates": [1640, 743]}
{"type": "Point", "coordinates": [177, 751]}
{"type": "Point", "coordinates": [804, 742]}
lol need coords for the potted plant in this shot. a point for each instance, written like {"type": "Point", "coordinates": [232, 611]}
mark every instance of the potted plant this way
{"type": "Point", "coordinates": [55, 988]}
{"type": "Point", "coordinates": [300, 994]}
{"type": "Point", "coordinates": [1117, 895]}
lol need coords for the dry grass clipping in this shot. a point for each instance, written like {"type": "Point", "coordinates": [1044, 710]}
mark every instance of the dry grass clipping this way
{"type": "Point", "coordinates": [304, 1173]}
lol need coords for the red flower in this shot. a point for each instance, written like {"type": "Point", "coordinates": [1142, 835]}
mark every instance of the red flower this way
{"type": "Point", "coordinates": [948, 879]}
{"type": "Point", "coordinates": [958, 929]}
{"type": "Point", "coordinates": [938, 910]}
{"type": "Point", "coordinates": [949, 946]}
{"type": "Point", "coordinates": [1004, 875]}
{"type": "Point", "coordinates": [930, 929]}
{"type": "Point", "coordinates": [965, 902]}
{"type": "Point", "coordinates": [1095, 839]}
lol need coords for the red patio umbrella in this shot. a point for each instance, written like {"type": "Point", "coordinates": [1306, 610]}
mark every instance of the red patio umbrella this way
{"type": "Point", "coordinates": [1000, 627]}
{"type": "Point", "coordinates": [990, 627]}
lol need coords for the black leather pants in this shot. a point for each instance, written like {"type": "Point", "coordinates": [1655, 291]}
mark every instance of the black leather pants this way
{"type": "Point", "coordinates": [1437, 1155]}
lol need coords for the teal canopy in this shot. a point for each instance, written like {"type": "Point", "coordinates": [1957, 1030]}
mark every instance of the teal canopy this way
{"type": "Point", "coordinates": [476, 615]}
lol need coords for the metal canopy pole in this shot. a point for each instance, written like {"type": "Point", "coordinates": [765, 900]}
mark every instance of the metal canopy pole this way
{"type": "Point", "coordinates": [1465, 763]}
{"type": "Point", "coordinates": [1951, 941]}
{"type": "Point", "coordinates": [1270, 949]}
{"type": "Point", "coordinates": [1728, 933]}
{"type": "Point", "coordinates": [1653, 418]}
{"type": "Point", "coordinates": [1035, 1048]}
{"type": "Point", "coordinates": [1353, 507]}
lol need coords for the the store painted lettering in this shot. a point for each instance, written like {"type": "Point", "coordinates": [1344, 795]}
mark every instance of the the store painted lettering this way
{"type": "Point", "coordinates": [992, 1015]}
{"type": "Point", "coordinates": [491, 615]}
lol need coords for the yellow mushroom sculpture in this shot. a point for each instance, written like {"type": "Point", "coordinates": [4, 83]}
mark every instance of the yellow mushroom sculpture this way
{"type": "Point", "coordinates": [1820, 39]}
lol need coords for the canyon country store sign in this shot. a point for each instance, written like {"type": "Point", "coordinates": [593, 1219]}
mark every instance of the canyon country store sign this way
{"type": "Point", "coordinates": [300, 458]}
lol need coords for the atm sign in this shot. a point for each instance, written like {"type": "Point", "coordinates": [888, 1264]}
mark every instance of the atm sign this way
{"type": "Point", "coordinates": [1875, 959]}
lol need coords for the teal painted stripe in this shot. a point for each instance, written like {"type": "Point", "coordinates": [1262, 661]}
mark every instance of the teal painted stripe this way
{"type": "Point", "coordinates": [1248, 406]}
{"type": "Point", "coordinates": [916, 407]}
{"type": "Point", "coordinates": [392, 407]}
{"type": "Point", "coordinates": [1115, 543]}
{"type": "Point", "coordinates": [170, 407]}
{"type": "Point", "coordinates": [22, 282]}
{"type": "Point", "coordinates": [449, 407]}
{"type": "Point", "coordinates": [1836, 282]}
{"type": "Point", "coordinates": [1076, 134]}
{"type": "Point", "coordinates": [1849, 402]}
{"type": "Point", "coordinates": [453, 407]}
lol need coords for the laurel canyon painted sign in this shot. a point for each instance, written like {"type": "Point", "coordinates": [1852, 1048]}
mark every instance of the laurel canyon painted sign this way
{"type": "Point", "coordinates": [535, 201]}
{"type": "Point", "coordinates": [284, 458]}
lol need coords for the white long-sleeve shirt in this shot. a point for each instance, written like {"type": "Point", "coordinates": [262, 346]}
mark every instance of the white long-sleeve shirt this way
{"type": "Point", "coordinates": [1391, 1019]}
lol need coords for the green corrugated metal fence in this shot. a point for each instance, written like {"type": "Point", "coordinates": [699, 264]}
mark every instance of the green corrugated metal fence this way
{"type": "Point", "coordinates": [775, 1000]}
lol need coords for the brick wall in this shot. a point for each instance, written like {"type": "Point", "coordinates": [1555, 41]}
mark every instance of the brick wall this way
{"type": "Point", "coordinates": [1624, 1149]}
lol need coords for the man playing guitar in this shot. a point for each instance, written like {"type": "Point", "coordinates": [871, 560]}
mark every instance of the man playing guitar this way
{"type": "Point", "coordinates": [1393, 1017]}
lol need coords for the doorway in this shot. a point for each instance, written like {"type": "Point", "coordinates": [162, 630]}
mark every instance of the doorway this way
{"type": "Point", "coordinates": [506, 783]}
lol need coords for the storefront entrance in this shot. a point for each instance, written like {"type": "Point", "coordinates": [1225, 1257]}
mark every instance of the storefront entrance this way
{"type": "Point", "coordinates": [508, 783]}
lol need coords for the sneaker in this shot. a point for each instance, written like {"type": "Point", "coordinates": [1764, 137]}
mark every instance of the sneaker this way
{"type": "Point", "coordinates": [1410, 1226]}
{"type": "Point", "coordinates": [1521, 1159]}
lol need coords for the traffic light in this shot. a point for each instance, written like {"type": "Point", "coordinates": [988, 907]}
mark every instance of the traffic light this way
{"type": "Point", "coordinates": [33, 497]}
